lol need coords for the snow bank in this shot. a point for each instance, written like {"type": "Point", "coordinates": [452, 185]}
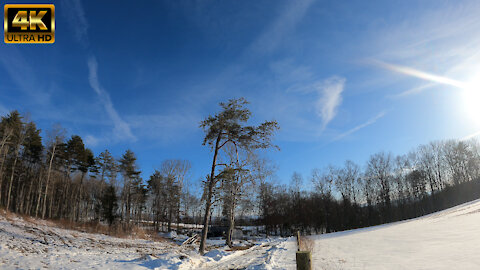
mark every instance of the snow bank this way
{"type": "Point", "coordinates": [216, 254]}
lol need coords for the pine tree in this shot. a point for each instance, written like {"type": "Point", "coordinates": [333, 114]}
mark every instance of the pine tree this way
{"type": "Point", "coordinates": [32, 145]}
{"type": "Point", "coordinates": [228, 126]}
{"type": "Point", "coordinates": [32, 157]}
{"type": "Point", "coordinates": [80, 159]}
{"type": "Point", "coordinates": [109, 204]}
{"type": "Point", "coordinates": [131, 176]}
{"type": "Point", "coordinates": [14, 122]}
{"type": "Point", "coordinates": [107, 167]}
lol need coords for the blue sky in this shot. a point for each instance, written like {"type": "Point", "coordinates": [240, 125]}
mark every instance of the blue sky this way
{"type": "Point", "coordinates": [142, 75]}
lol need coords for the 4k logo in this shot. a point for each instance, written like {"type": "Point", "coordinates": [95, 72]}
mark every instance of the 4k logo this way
{"type": "Point", "coordinates": [29, 23]}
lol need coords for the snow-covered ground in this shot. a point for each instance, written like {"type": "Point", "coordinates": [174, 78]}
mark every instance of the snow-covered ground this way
{"type": "Point", "coordinates": [444, 240]}
{"type": "Point", "coordinates": [37, 244]}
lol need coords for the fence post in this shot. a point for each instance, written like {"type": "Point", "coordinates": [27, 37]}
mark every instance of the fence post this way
{"type": "Point", "coordinates": [304, 260]}
{"type": "Point", "coordinates": [298, 240]}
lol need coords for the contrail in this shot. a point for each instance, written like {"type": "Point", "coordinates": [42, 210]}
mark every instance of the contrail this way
{"type": "Point", "coordinates": [421, 74]}
{"type": "Point", "coordinates": [428, 77]}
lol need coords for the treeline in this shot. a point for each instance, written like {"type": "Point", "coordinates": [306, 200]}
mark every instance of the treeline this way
{"type": "Point", "coordinates": [59, 178]}
{"type": "Point", "coordinates": [387, 188]}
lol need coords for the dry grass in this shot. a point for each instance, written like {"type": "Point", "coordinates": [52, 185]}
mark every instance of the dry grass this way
{"type": "Point", "coordinates": [87, 227]}
{"type": "Point", "coordinates": [139, 232]}
{"type": "Point", "coordinates": [10, 216]}
{"type": "Point", "coordinates": [306, 244]}
{"type": "Point", "coordinates": [116, 230]}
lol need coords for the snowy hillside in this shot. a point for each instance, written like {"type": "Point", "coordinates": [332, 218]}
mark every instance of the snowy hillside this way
{"type": "Point", "coordinates": [444, 240]}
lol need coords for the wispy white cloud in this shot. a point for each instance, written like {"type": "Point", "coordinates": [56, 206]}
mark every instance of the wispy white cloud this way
{"type": "Point", "coordinates": [448, 28]}
{"type": "Point", "coordinates": [329, 96]}
{"type": "Point", "coordinates": [357, 128]}
{"type": "Point", "coordinates": [122, 130]}
{"type": "Point", "coordinates": [330, 92]}
{"type": "Point", "coordinates": [79, 23]}
{"type": "Point", "coordinates": [23, 74]}
{"type": "Point", "coordinates": [268, 41]}
{"type": "Point", "coordinates": [307, 99]}
{"type": "Point", "coordinates": [91, 141]}
{"type": "Point", "coordinates": [414, 90]}
{"type": "Point", "coordinates": [292, 73]}
{"type": "Point", "coordinates": [165, 128]}
{"type": "Point", "coordinates": [75, 13]}
{"type": "Point", "coordinates": [443, 41]}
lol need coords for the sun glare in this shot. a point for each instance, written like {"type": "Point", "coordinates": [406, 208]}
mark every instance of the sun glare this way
{"type": "Point", "coordinates": [471, 99]}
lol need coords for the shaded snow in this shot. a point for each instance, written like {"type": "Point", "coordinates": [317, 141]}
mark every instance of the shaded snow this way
{"type": "Point", "coordinates": [35, 245]}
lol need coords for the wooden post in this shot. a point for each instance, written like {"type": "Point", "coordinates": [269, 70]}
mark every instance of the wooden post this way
{"type": "Point", "coordinates": [298, 240]}
{"type": "Point", "coordinates": [304, 260]}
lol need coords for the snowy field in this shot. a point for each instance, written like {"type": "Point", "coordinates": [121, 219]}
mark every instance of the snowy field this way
{"type": "Point", "coordinates": [444, 240]}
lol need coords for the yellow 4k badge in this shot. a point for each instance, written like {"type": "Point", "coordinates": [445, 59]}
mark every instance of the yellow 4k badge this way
{"type": "Point", "coordinates": [29, 23]}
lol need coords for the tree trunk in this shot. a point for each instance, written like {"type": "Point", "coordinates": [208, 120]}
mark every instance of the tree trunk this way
{"type": "Point", "coordinates": [4, 141]}
{"type": "Point", "coordinates": [178, 217]}
{"type": "Point", "coordinates": [50, 209]}
{"type": "Point", "coordinates": [1, 171]}
{"type": "Point", "coordinates": [66, 190]}
{"type": "Point", "coordinates": [233, 198]}
{"type": "Point", "coordinates": [170, 212]}
{"type": "Point", "coordinates": [127, 204]}
{"type": "Point", "coordinates": [39, 198]}
{"type": "Point", "coordinates": [208, 204]}
{"type": "Point", "coordinates": [29, 198]}
{"type": "Point", "coordinates": [48, 181]}
{"type": "Point", "coordinates": [11, 178]}
{"type": "Point", "coordinates": [231, 224]}
{"type": "Point", "coordinates": [78, 200]}
{"type": "Point", "coordinates": [21, 197]}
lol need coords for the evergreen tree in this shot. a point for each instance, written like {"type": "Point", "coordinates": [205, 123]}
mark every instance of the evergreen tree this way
{"type": "Point", "coordinates": [229, 126]}
{"type": "Point", "coordinates": [80, 159]}
{"type": "Point", "coordinates": [107, 167]}
{"type": "Point", "coordinates": [14, 123]}
{"type": "Point", "coordinates": [131, 178]}
{"type": "Point", "coordinates": [109, 204]}
{"type": "Point", "coordinates": [32, 145]}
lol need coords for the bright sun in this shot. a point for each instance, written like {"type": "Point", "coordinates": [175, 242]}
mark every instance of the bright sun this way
{"type": "Point", "coordinates": [471, 99]}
